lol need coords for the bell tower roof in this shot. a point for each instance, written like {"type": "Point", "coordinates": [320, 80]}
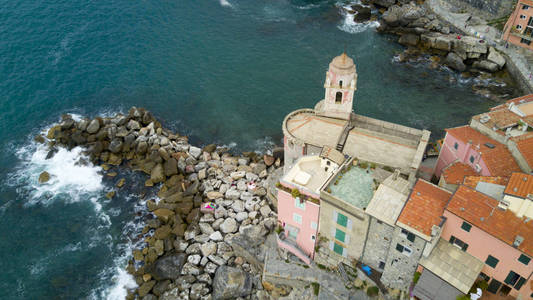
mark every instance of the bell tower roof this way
{"type": "Point", "coordinates": [342, 65]}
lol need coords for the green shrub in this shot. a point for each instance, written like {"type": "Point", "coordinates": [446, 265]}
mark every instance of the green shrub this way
{"type": "Point", "coordinates": [278, 185]}
{"type": "Point", "coordinates": [372, 291]}
{"type": "Point", "coordinates": [416, 277]}
{"type": "Point", "coordinates": [321, 266]}
{"type": "Point", "coordinates": [316, 288]}
{"type": "Point", "coordinates": [278, 229]}
{"type": "Point", "coordinates": [462, 297]}
{"type": "Point", "coordinates": [295, 193]}
{"type": "Point", "coordinates": [388, 169]}
{"type": "Point", "coordinates": [372, 166]}
{"type": "Point", "coordinates": [363, 165]}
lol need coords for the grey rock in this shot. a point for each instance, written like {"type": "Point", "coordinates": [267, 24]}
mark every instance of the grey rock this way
{"type": "Point", "coordinates": [232, 194]}
{"type": "Point", "coordinates": [216, 236]}
{"type": "Point", "coordinates": [133, 125]}
{"type": "Point", "coordinates": [228, 226]}
{"type": "Point", "coordinates": [265, 211]}
{"type": "Point", "coordinates": [194, 259]}
{"type": "Point", "coordinates": [241, 216]}
{"type": "Point", "coordinates": [190, 269]}
{"type": "Point", "coordinates": [160, 287]}
{"type": "Point", "coordinates": [170, 167]}
{"type": "Point", "coordinates": [93, 126]}
{"type": "Point", "coordinates": [208, 248]}
{"type": "Point", "coordinates": [485, 65]}
{"type": "Point", "coordinates": [409, 39]}
{"type": "Point", "coordinates": [237, 206]}
{"type": "Point", "coordinates": [495, 57]}
{"type": "Point", "coordinates": [168, 267]}
{"type": "Point", "coordinates": [195, 152]}
{"type": "Point", "coordinates": [230, 283]}
{"type": "Point", "coordinates": [455, 62]}
{"type": "Point", "coordinates": [157, 174]}
{"type": "Point", "coordinates": [116, 145]}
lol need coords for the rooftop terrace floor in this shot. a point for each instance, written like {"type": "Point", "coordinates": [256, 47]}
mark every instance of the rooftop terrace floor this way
{"type": "Point", "coordinates": [356, 187]}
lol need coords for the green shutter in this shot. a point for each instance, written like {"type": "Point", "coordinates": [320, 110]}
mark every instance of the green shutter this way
{"type": "Point", "coordinates": [399, 247]}
{"type": "Point", "coordinates": [411, 237]}
{"type": "Point", "coordinates": [466, 227]}
{"type": "Point", "coordinates": [511, 278]}
{"type": "Point", "coordinates": [492, 261]}
{"type": "Point", "coordinates": [337, 248]}
{"type": "Point", "coordinates": [520, 283]}
{"type": "Point", "coordinates": [524, 259]}
{"type": "Point", "coordinates": [342, 220]}
{"type": "Point", "coordinates": [340, 235]}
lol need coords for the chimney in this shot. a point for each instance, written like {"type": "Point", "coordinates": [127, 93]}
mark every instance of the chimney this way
{"type": "Point", "coordinates": [517, 241]}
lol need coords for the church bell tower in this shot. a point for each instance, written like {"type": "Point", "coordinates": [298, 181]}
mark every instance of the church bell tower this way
{"type": "Point", "coordinates": [340, 85]}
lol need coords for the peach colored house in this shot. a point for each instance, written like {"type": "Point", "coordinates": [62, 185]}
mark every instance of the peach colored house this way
{"type": "Point", "coordinates": [519, 28]}
{"type": "Point", "coordinates": [486, 156]}
{"type": "Point", "coordinates": [477, 225]}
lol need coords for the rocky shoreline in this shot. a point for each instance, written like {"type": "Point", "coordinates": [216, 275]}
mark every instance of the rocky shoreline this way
{"type": "Point", "coordinates": [204, 233]}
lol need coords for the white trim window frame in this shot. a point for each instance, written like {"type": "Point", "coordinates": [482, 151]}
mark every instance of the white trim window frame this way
{"type": "Point", "coordinates": [297, 218]}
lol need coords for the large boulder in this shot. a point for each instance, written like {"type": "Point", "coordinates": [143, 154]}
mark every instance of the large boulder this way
{"type": "Point", "coordinates": [485, 65]}
{"type": "Point", "coordinates": [157, 174]}
{"type": "Point", "coordinates": [168, 267]}
{"type": "Point", "coordinates": [170, 166]}
{"type": "Point", "coordinates": [93, 127]}
{"type": "Point", "coordinates": [384, 3]}
{"type": "Point", "coordinates": [496, 57]}
{"type": "Point", "coordinates": [116, 145]}
{"type": "Point", "coordinates": [409, 39]}
{"type": "Point", "coordinates": [44, 177]}
{"type": "Point", "coordinates": [470, 44]}
{"type": "Point", "coordinates": [455, 62]}
{"type": "Point", "coordinates": [363, 13]}
{"type": "Point", "coordinates": [231, 283]}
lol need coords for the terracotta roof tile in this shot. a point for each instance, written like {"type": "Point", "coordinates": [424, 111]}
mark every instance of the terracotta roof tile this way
{"type": "Point", "coordinates": [525, 146]}
{"type": "Point", "coordinates": [455, 172]}
{"type": "Point", "coordinates": [520, 185]}
{"type": "Point", "coordinates": [424, 207]}
{"type": "Point", "coordinates": [499, 160]}
{"type": "Point", "coordinates": [482, 211]}
{"type": "Point", "coordinates": [523, 99]}
{"type": "Point", "coordinates": [472, 181]}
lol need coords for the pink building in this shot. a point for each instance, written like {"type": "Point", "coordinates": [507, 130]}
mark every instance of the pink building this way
{"type": "Point", "coordinates": [485, 155]}
{"type": "Point", "coordinates": [476, 225]}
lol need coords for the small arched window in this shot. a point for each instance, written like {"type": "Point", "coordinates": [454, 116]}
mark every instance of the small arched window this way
{"type": "Point", "coordinates": [338, 98]}
{"type": "Point", "coordinates": [340, 83]}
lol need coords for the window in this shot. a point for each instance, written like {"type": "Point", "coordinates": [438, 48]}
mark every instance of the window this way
{"type": "Point", "coordinates": [340, 235]}
{"type": "Point", "coordinates": [456, 146]}
{"type": "Point", "coordinates": [409, 236]}
{"type": "Point", "coordinates": [525, 7]}
{"type": "Point", "coordinates": [328, 163]}
{"type": "Point", "coordinates": [297, 218]}
{"type": "Point", "coordinates": [313, 237]}
{"type": "Point", "coordinates": [471, 159]}
{"type": "Point", "coordinates": [458, 243]}
{"type": "Point", "coordinates": [466, 227]}
{"type": "Point", "coordinates": [522, 17]}
{"type": "Point", "coordinates": [314, 225]}
{"type": "Point", "coordinates": [340, 83]}
{"type": "Point", "coordinates": [381, 265]}
{"type": "Point", "coordinates": [511, 278]}
{"type": "Point", "coordinates": [380, 222]}
{"type": "Point", "coordinates": [492, 261]}
{"type": "Point", "coordinates": [524, 41]}
{"type": "Point", "coordinates": [524, 259]}
{"type": "Point", "coordinates": [484, 276]}
{"type": "Point", "coordinates": [520, 283]}
{"type": "Point", "coordinates": [338, 98]}
{"type": "Point", "coordinates": [338, 249]}
{"type": "Point", "coordinates": [299, 203]}
{"type": "Point", "coordinates": [404, 250]}
{"type": "Point", "coordinates": [518, 26]}
{"type": "Point", "coordinates": [342, 219]}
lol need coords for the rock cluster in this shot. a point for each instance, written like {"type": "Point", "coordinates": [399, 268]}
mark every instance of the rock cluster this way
{"type": "Point", "coordinates": [418, 27]}
{"type": "Point", "coordinates": [189, 251]}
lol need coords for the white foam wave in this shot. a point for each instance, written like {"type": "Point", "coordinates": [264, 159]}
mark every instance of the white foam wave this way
{"type": "Point", "coordinates": [349, 25]}
{"type": "Point", "coordinates": [123, 281]}
{"type": "Point", "coordinates": [70, 173]}
{"type": "Point", "coordinates": [225, 3]}
{"type": "Point", "coordinates": [308, 6]}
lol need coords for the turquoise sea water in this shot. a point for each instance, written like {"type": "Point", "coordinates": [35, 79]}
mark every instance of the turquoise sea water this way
{"type": "Point", "coordinates": [218, 71]}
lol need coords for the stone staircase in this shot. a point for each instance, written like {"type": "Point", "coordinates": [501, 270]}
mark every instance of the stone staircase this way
{"type": "Point", "coordinates": [350, 124]}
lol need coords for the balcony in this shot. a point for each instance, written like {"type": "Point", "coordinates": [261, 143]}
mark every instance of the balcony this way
{"type": "Point", "coordinates": [523, 36]}
{"type": "Point", "coordinates": [291, 246]}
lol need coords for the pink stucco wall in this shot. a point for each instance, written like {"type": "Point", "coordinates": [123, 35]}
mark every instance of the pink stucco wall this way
{"type": "Point", "coordinates": [448, 154]}
{"type": "Point", "coordinates": [286, 209]}
{"type": "Point", "coordinates": [481, 244]}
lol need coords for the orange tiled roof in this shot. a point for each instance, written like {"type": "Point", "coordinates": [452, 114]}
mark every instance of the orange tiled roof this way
{"type": "Point", "coordinates": [455, 172]}
{"type": "Point", "coordinates": [482, 211]}
{"type": "Point", "coordinates": [520, 185]}
{"type": "Point", "coordinates": [472, 181]}
{"type": "Point", "coordinates": [424, 207]}
{"type": "Point", "coordinates": [519, 100]}
{"type": "Point", "coordinates": [525, 146]}
{"type": "Point", "coordinates": [499, 160]}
